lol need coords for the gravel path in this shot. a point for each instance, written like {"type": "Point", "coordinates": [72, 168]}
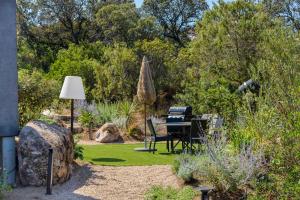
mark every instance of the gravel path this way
{"type": "Point", "coordinates": [91, 182]}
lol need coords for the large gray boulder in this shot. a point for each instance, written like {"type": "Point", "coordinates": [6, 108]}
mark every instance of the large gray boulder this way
{"type": "Point", "coordinates": [108, 133]}
{"type": "Point", "coordinates": [34, 142]}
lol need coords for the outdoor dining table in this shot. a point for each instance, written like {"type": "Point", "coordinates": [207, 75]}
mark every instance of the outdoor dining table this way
{"type": "Point", "coordinates": [184, 126]}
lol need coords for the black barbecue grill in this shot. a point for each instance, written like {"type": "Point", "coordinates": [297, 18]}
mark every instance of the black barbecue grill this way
{"type": "Point", "coordinates": [178, 114]}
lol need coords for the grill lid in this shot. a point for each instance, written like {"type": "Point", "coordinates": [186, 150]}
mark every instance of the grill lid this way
{"type": "Point", "coordinates": [183, 110]}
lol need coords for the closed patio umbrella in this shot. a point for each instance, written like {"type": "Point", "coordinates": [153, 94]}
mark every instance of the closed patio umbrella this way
{"type": "Point", "coordinates": [145, 92]}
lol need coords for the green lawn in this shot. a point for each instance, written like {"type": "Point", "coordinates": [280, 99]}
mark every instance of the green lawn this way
{"type": "Point", "coordinates": [124, 155]}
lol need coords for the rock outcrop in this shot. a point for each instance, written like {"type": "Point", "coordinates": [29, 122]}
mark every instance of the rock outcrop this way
{"type": "Point", "coordinates": [35, 139]}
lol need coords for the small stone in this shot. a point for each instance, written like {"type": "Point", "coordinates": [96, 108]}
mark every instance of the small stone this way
{"type": "Point", "coordinates": [108, 133]}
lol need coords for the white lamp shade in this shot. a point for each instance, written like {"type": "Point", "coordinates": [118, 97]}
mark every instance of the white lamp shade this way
{"type": "Point", "coordinates": [72, 88]}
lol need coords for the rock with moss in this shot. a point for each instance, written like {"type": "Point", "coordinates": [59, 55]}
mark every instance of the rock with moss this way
{"type": "Point", "coordinates": [35, 139]}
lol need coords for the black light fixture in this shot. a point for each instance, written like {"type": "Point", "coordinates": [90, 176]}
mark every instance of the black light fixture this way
{"type": "Point", "coordinates": [251, 85]}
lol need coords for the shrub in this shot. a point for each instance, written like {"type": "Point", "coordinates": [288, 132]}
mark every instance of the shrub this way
{"type": "Point", "coordinates": [78, 150]}
{"type": "Point", "coordinates": [107, 112]}
{"type": "Point", "coordinates": [88, 117]}
{"type": "Point", "coordinates": [184, 166]}
{"type": "Point", "coordinates": [87, 120]}
{"type": "Point", "coordinates": [126, 109]}
{"type": "Point", "coordinates": [117, 76]}
{"type": "Point", "coordinates": [78, 60]}
{"type": "Point", "coordinates": [120, 122]}
{"type": "Point", "coordinates": [169, 193]}
{"type": "Point", "coordinates": [36, 93]}
{"type": "Point", "coordinates": [228, 171]}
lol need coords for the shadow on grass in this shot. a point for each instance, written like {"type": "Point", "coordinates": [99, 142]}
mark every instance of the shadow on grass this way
{"type": "Point", "coordinates": [165, 154]}
{"type": "Point", "coordinates": [176, 152]}
{"type": "Point", "coordinates": [108, 160]}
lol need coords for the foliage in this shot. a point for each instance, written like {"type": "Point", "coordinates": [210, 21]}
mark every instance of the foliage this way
{"type": "Point", "coordinates": [78, 61]}
{"type": "Point", "coordinates": [78, 150]}
{"type": "Point", "coordinates": [286, 10]}
{"type": "Point", "coordinates": [118, 75]}
{"type": "Point", "coordinates": [278, 114]}
{"type": "Point", "coordinates": [229, 172]}
{"type": "Point", "coordinates": [126, 109]}
{"type": "Point", "coordinates": [35, 94]}
{"type": "Point", "coordinates": [48, 26]}
{"type": "Point", "coordinates": [228, 39]}
{"type": "Point", "coordinates": [223, 55]}
{"type": "Point", "coordinates": [98, 114]}
{"type": "Point", "coordinates": [208, 97]}
{"type": "Point", "coordinates": [161, 55]}
{"type": "Point", "coordinates": [86, 118]}
{"type": "Point", "coordinates": [107, 112]}
{"type": "Point", "coordinates": [169, 193]}
{"type": "Point", "coordinates": [175, 16]}
{"type": "Point", "coordinates": [184, 166]}
{"type": "Point", "coordinates": [47, 120]}
{"type": "Point", "coordinates": [121, 122]}
{"type": "Point", "coordinates": [118, 22]}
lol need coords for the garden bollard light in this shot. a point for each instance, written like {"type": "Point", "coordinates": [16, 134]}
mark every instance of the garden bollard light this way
{"type": "Point", "coordinates": [204, 192]}
{"type": "Point", "coordinates": [49, 172]}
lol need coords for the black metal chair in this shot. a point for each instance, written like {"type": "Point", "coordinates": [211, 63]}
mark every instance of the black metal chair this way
{"type": "Point", "coordinates": [155, 138]}
{"type": "Point", "coordinates": [197, 133]}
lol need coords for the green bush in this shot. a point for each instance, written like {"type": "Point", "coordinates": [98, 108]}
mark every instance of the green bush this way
{"type": "Point", "coordinates": [169, 193]}
{"type": "Point", "coordinates": [78, 60]}
{"type": "Point", "coordinates": [117, 75]}
{"type": "Point", "coordinates": [35, 94]}
{"type": "Point", "coordinates": [126, 108]}
{"type": "Point", "coordinates": [78, 150]}
{"type": "Point", "coordinates": [86, 118]}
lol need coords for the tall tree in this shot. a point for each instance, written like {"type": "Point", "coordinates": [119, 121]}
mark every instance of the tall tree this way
{"type": "Point", "coordinates": [117, 22]}
{"type": "Point", "coordinates": [289, 10]}
{"type": "Point", "coordinates": [176, 17]}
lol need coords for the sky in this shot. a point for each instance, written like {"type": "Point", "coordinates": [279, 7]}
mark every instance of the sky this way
{"type": "Point", "coordinates": [139, 2]}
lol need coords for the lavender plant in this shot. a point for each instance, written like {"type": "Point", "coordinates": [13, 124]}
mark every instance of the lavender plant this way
{"type": "Point", "coordinates": [227, 170]}
{"type": "Point", "coordinates": [187, 166]}
{"type": "Point", "coordinates": [120, 122]}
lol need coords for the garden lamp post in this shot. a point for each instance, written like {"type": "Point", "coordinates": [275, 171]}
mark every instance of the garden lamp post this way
{"type": "Point", "coordinates": [72, 89]}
